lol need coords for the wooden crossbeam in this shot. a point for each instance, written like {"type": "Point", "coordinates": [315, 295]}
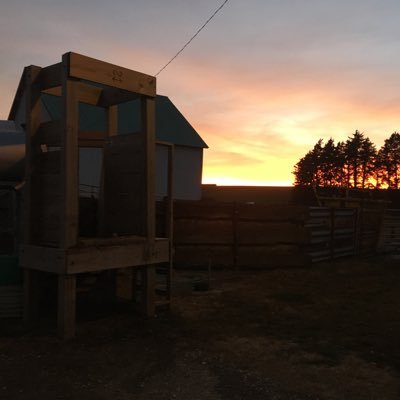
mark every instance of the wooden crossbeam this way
{"type": "Point", "coordinates": [83, 67]}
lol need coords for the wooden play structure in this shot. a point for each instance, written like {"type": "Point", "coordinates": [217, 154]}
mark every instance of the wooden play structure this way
{"type": "Point", "coordinates": [125, 239]}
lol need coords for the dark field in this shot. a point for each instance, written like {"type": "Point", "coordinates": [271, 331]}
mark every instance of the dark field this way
{"type": "Point", "coordinates": [327, 332]}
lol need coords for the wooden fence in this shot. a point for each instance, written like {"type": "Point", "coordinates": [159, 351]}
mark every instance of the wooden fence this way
{"type": "Point", "coordinates": [238, 235]}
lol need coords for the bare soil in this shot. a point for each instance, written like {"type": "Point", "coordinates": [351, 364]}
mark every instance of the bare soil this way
{"type": "Point", "coordinates": [331, 331]}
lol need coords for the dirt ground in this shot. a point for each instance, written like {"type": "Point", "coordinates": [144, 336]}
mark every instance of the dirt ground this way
{"type": "Point", "coordinates": [331, 331]}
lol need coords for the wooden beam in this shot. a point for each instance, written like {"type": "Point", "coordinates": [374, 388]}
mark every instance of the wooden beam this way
{"type": "Point", "coordinates": [148, 130]}
{"type": "Point", "coordinates": [95, 258]}
{"type": "Point", "coordinates": [92, 135]}
{"type": "Point", "coordinates": [50, 77]}
{"type": "Point", "coordinates": [97, 96]}
{"type": "Point", "coordinates": [83, 67]}
{"type": "Point", "coordinates": [114, 96]}
{"type": "Point", "coordinates": [66, 306]}
{"type": "Point", "coordinates": [87, 93]}
{"type": "Point", "coordinates": [32, 147]}
{"type": "Point", "coordinates": [70, 160]}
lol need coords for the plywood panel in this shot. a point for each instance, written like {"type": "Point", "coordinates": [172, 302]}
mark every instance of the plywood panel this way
{"type": "Point", "coordinates": [125, 185]}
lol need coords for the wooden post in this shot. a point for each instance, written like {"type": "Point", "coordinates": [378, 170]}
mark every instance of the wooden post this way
{"type": "Point", "coordinates": [31, 296]}
{"type": "Point", "coordinates": [148, 129]}
{"type": "Point", "coordinates": [70, 160]}
{"type": "Point", "coordinates": [124, 283]}
{"type": "Point", "coordinates": [66, 305]}
{"type": "Point", "coordinates": [148, 296]}
{"type": "Point", "coordinates": [332, 234]}
{"type": "Point", "coordinates": [32, 147]}
{"type": "Point", "coordinates": [170, 218]}
{"type": "Point", "coordinates": [235, 226]}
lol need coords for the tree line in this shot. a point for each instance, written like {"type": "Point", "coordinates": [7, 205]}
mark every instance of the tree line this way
{"type": "Point", "coordinates": [354, 163]}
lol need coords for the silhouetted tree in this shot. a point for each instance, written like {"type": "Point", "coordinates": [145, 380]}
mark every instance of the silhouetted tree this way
{"type": "Point", "coordinates": [388, 163]}
{"type": "Point", "coordinates": [359, 165]}
{"type": "Point", "coordinates": [349, 164]}
{"type": "Point", "coordinates": [307, 170]}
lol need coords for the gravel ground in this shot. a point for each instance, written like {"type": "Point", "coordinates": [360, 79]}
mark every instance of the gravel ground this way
{"type": "Point", "coordinates": [327, 332]}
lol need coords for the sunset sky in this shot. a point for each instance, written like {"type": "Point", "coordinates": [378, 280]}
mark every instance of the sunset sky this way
{"type": "Point", "coordinates": [261, 83]}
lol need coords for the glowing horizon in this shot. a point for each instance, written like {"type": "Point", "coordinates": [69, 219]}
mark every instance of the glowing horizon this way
{"type": "Point", "coordinates": [260, 96]}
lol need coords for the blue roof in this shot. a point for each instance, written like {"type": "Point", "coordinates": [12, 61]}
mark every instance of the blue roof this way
{"type": "Point", "coordinates": [171, 125]}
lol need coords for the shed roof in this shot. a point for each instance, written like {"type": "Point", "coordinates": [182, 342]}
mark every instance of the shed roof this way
{"type": "Point", "coordinates": [171, 125]}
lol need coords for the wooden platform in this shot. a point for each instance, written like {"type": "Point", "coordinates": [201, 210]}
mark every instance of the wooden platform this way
{"type": "Point", "coordinates": [124, 237]}
{"type": "Point", "coordinates": [95, 255]}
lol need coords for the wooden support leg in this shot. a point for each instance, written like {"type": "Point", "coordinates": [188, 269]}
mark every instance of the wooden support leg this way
{"type": "Point", "coordinates": [31, 295]}
{"type": "Point", "coordinates": [148, 290]}
{"type": "Point", "coordinates": [124, 284]}
{"type": "Point", "coordinates": [66, 305]}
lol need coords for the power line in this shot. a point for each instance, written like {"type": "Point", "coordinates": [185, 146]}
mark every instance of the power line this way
{"type": "Point", "coordinates": [191, 39]}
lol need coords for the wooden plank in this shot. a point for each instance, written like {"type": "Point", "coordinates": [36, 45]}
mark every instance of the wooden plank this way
{"type": "Point", "coordinates": [148, 119]}
{"type": "Point", "coordinates": [48, 259]}
{"type": "Point", "coordinates": [261, 212]}
{"type": "Point", "coordinates": [97, 96]}
{"type": "Point", "coordinates": [50, 76]}
{"type": "Point", "coordinates": [125, 201]}
{"type": "Point", "coordinates": [66, 306]}
{"type": "Point", "coordinates": [191, 231]}
{"type": "Point", "coordinates": [264, 257]}
{"type": "Point", "coordinates": [90, 69]}
{"type": "Point", "coordinates": [252, 232]}
{"type": "Point", "coordinates": [203, 210]}
{"type": "Point", "coordinates": [188, 256]}
{"type": "Point", "coordinates": [92, 136]}
{"type": "Point", "coordinates": [112, 96]}
{"type": "Point", "coordinates": [32, 147]}
{"type": "Point", "coordinates": [70, 161]}
{"type": "Point", "coordinates": [90, 259]}
{"type": "Point", "coordinates": [88, 94]}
